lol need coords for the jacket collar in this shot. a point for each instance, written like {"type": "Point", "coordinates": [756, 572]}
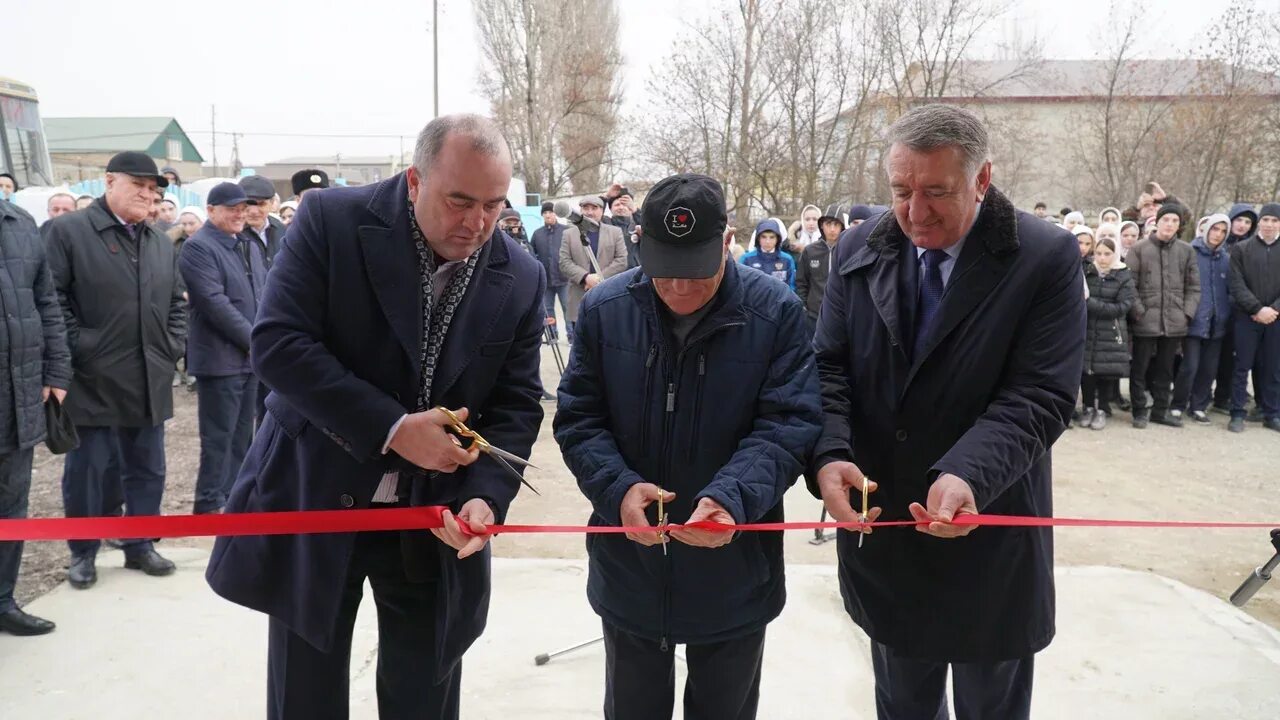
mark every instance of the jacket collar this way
{"type": "Point", "coordinates": [727, 305]}
{"type": "Point", "coordinates": [391, 262]}
{"type": "Point", "coordinates": [996, 225]}
{"type": "Point", "coordinates": [210, 230]}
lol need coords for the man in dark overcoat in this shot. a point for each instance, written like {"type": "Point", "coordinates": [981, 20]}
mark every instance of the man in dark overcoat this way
{"type": "Point", "coordinates": [949, 349]}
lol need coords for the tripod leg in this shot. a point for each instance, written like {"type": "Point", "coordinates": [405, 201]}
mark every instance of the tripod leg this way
{"type": "Point", "coordinates": [545, 658]}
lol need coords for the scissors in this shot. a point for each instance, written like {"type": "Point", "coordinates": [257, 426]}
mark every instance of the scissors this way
{"type": "Point", "coordinates": [662, 520]}
{"type": "Point", "coordinates": [500, 456]}
{"type": "Point", "coordinates": [862, 518]}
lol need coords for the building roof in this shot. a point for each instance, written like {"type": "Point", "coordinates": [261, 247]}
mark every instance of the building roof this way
{"type": "Point", "coordinates": [324, 160]}
{"type": "Point", "coordinates": [1083, 79]}
{"type": "Point", "coordinates": [117, 134]}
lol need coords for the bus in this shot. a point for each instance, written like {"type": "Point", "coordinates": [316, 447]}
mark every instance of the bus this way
{"type": "Point", "coordinates": [24, 154]}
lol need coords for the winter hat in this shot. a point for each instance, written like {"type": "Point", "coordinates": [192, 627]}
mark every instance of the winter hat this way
{"type": "Point", "coordinates": [548, 207]}
{"type": "Point", "coordinates": [1171, 208]}
{"type": "Point", "coordinates": [1272, 209]}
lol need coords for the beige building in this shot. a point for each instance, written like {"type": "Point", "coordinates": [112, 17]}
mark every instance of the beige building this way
{"type": "Point", "coordinates": [1047, 122]}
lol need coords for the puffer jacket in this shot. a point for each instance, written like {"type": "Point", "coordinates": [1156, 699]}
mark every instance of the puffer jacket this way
{"type": "Point", "coordinates": [1168, 283]}
{"type": "Point", "coordinates": [33, 344]}
{"type": "Point", "coordinates": [1106, 340]}
{"type": "Point", "coordinates": [731, 416]}
{"type": "Point", "coordinates": [1213, 315]}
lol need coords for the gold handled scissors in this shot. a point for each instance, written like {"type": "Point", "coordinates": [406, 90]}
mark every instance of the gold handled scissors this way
{"type": "Point", "coordinates": [662, 519]}
{"type": "Point", "coordinates": [866, 482]}
{"type": "Point", "coordinates": [500, 456]}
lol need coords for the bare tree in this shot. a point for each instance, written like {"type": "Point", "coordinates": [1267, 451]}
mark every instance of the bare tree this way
{"type": "Point", "coordinates": [552, 76]}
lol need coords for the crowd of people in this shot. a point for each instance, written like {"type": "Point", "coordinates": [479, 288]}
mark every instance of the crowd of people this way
{"type": "Point", "coordinates": [837, 376]}
{"type": "Point", "coordinates": [110, 296]}
{"type": "Point", "coordinates": [1187, 315]}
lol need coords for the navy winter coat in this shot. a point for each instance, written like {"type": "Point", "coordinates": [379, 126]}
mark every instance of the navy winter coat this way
{"type": "Point", "coordinates": [732, 416]}
{"type": "Point", "coordinates": [1213, 314]}
{"type": "Point", "coordinates": [991, 392]}
{"type": "Point", "coordinates": [337, 341]}
{"type": "Point", "coordinates": [546, 247]}
{"type": "Point", "coordinates": [224, 294]}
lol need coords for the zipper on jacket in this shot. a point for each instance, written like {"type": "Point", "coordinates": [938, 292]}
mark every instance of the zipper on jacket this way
{"type": "Point", "coordinates": [697, 404]}
{"type": "Point", "coordinates": [671, 376]}
{"type": "Point", "coordinates": [648, 395]}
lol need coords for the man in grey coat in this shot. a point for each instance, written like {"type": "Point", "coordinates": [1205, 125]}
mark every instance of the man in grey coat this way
{"type": "Point", "coordinates": [121, 295]}
{"type": "Point", "coordinates": [33, 350]}
{"type": "Point", "coordinates": [1168, 280]}
{"type": "Point", "coordinates": [590, 236]}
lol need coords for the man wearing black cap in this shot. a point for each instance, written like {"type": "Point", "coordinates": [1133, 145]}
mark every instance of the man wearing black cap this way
{"type": "Point", "coordinates": [546, 247]}
{"type": "Point", "coordinates": [121, 295]}
{"type": "Point", "coordinates": [225, 270]}
{"type": "Point", "coordinates": [1168, 279]}
{"type": "Point", "coordinates": [1254, 281]}
{"type": "Point", "coordinates": [259, 225]}
{"type": "Point", "coordinates": [311, 179]}
{"type": "Point", "coordinates": [691, 388]}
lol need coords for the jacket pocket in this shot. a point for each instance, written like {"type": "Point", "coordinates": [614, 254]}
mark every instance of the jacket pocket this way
{"type": "Point", "coordinates": [288, 418]}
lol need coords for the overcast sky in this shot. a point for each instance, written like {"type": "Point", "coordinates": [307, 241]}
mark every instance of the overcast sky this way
{"type": "Point", "coordinates": [365, 68]}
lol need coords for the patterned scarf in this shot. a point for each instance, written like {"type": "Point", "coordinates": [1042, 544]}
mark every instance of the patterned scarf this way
{"type": "Point", "coordinates": [436, 321]}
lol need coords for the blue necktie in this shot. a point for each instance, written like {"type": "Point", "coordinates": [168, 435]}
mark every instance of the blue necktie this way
{"type": "Point", "coordinates": [931, 288]}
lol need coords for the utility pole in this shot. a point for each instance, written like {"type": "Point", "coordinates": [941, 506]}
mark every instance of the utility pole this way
{"type": "Point", "coordinates": [213, 135]}
{"type": "Point", "coordinates": [435, 58]}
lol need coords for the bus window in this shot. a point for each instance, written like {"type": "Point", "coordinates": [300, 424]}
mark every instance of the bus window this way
{"type": "Point", "coordinates": [22, 136]}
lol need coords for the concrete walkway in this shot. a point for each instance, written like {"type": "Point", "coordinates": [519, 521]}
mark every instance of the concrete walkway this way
{"type": "Point", "coordinates": [1130, 645]}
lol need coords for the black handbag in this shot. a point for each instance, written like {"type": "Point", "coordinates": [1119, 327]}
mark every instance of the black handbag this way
{"type": "Point", "coordinates": [60, 433]}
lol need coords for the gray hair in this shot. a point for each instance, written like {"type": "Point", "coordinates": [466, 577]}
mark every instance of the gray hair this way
{"type": "Point", "coordinates": [485, 136]}
{"type": "Point", "coordinates": [934, 126]}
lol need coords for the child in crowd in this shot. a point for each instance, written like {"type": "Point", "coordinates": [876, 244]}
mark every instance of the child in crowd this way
{"type": "Point", "coordinates": [1106, 350]}
{"type": "Point", "coordinates": [766, 254]}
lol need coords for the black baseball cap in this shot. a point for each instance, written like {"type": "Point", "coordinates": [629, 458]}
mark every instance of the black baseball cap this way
{"type": "Point", "coordinates": [136, 164]}
{"type": "Point", "coordinates": [257, 187]}
{"type": "Point", "coordinates": [309, 179]}
{"type": "Point", "coordinates": [682, 226]}
{"type": "Point", "coordinates": [227, 194]}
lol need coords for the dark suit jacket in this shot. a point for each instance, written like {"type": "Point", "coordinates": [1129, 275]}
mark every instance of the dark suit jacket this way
{"type": "Point", "coordinates": [337, 340]}
{"type": "Point", "coordinates": [275, 238]}
{"type": "Point", "coordinates": [991, 392]}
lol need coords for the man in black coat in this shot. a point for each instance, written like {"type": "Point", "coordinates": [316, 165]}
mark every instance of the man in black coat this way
{"type": "Point", "coordinates": [33, 352]}
{"type": "Point", "coordinates": [387, 301]}
{"type": "Point", "coordinates": [546, 247]}
{"type": "Point", "coordinates": [949, 351]}
{"type": "Point", "coordinates": [121, 294]}
{"type": "Point", "coordinates": [268, 232]}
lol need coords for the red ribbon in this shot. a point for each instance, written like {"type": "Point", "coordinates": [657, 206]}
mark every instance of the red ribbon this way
{"type": "Point", "coordinates": [426, 518]}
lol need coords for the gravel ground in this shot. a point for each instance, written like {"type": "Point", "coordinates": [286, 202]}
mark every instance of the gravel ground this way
{"type": "Point", "coordinates": [1158, 473]}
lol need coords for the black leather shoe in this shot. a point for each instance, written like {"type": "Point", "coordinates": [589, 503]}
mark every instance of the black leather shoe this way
{"type": "Point", "coordinates": [150, 562]}
{"type": "Point", "coordinates": [1167, 420]}
{"type": "Point", "coordinates": [1272, 424]}
{"type": "Point", "coordinates": [1236, 425]}
{"type": "Point", "coordinates": [16, 622]}
{"type": "Point", "coordinates": [82, 574]}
